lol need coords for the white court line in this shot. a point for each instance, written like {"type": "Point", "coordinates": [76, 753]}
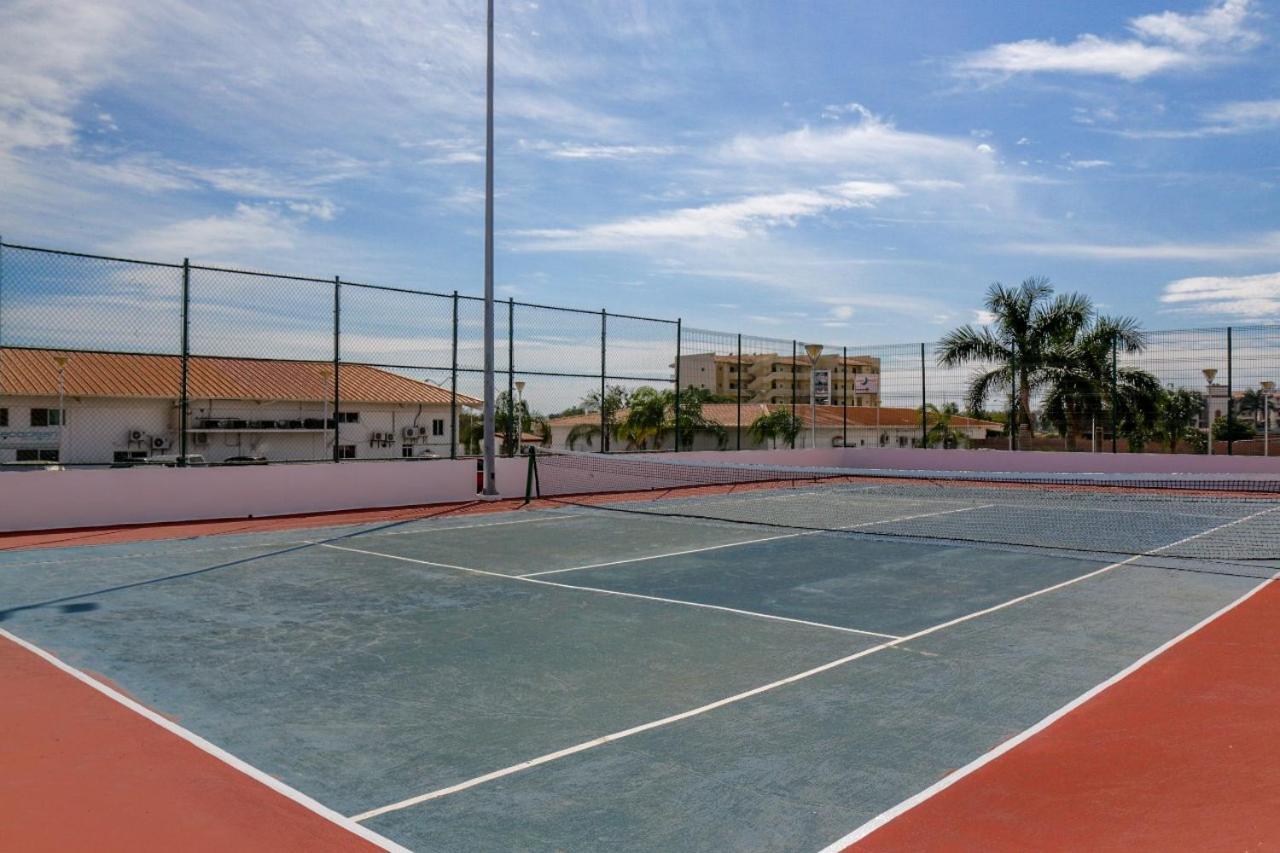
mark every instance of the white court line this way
{"type": "Point", "coordinates": [986, 758]}
{"type": "Point", "coordinates": [857, 526]}
{"type": "Point", "coordinates": [771, 617]}
{"type": "Point", "coordinates": [738, 697]}
{"type": "Point", "coordinates": [205, 746]}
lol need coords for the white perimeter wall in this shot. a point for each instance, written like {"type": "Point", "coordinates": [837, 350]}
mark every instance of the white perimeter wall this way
{"type": "Point", "coordinates": [44, 500]}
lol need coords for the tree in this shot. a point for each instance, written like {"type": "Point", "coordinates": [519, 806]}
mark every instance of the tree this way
{"type": "Point", "coordinates": [1251, 403]}
{"type": "Point", "coordinates": [1082, 389]}
{"type": "Point", "coordinates": [941, 432]}
{"type": "Point", "coordinates": [1231, 430]}
{"type": "Point", "coordinates": [691, 419]}
{"type": "Point", "coordinates": [613, 400]}
{"type": "Point", "coordinates": [645, 420]}
{"type": "Point", "coordinates": [1013, 347]}
{"type": "Point", "coordinates": [773, 425]}
{"type": "Point", "coordinates": [1176, 417]}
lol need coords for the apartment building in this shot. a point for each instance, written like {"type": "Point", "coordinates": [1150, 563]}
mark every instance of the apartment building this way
{"type": "Point", "coordinates": [768, 377]}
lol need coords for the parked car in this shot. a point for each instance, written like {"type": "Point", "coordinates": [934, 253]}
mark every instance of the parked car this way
{"type": "Point", "coordinates": [172, 460]}
{"type": "Point", "coordinates": [245, 460]}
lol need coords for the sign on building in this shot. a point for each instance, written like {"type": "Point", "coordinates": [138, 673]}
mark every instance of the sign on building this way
{"type": "Point", "coordinates": [822, 387]}
{"type": "Point", "coordinates": [33, 437]}
{"type": "Point", "coordinates": [866, 383]}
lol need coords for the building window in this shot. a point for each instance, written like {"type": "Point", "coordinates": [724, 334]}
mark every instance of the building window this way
{"type": "Point", "coordinates": [28, 454]}
{"type": "Point", "coordinates": [128, 455]}
{"type": "Point", "coordinates": [46, 417]}
{"type": "Point", "coordinates": [437, 426]}
{"type": "Point", "coordinates": [4, 417]}
{"type": "Point", "coordinates": [348, 417]}
{"type": "Point", "coordinates": [406, 450]}
{"type": "Point", "coordinates": [346, 451]}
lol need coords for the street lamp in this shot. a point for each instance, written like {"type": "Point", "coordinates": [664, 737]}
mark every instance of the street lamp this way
{"type": "Point", "coordinates": [813, 351]}
{"type": "Point", "coordinates": [1209, 374]}
{"type": "Point", "coordinates": [61, 361]}
{"type": "Point", "coordinates": [519, 425]}
{"type": "Point", "coordinates": [1267, 387]}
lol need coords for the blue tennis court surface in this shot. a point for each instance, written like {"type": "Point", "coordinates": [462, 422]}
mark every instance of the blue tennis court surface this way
{"type": "Point", "coordinates": [576, 678]}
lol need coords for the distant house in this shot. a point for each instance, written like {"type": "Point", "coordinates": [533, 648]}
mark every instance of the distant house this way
{"type": "Point", "coordinates": [866, 426]}
{"type": "Point", "coordinates": [124, 407]}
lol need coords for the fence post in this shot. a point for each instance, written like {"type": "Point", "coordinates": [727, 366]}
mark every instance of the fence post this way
{"type": "Point", "coordinates": [183, 390]}
{"type": "Point", "coordinates": [924, 417]}
{"type": "Point", "coordinates": [1012, 425]}
{"type": "Point", "coordinates": [337, 361]}
{"type": "Point", "coordinates": [738, 383]}
{"type": "Point", "coordinates": [453, 384]}
{"type": "Point", "coordinates": [844, 400]}
{"type": "Point", "coordinates": [1231, 418]}
{"type": "Point", "coordinates": [604, 372]}
{"type": "Point", "coordinates": [1114, 388]}
{"type": "Point", "coordinates": [511, 378]}
{"type": "Point", "coordinates": [795, 355]}
{"type": "Point", "coordinates": [679, 339]}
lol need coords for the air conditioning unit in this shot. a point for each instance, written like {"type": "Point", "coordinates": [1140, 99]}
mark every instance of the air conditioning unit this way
{"type": "Point", "coordinates": [159, 442]}
{"type": "Point", "coordinates": [136, 435]}
{"type": "Point", "coordinates": [409, 432]}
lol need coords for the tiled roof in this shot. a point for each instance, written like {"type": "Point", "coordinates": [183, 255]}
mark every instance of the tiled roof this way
{"type": "Point", "coordinates": [726, 414]}
{"type": "Point", "coordinates": [34, 372]}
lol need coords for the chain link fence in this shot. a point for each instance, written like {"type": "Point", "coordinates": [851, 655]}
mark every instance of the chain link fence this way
{"type": "Point", "coordinates": [112, 361]}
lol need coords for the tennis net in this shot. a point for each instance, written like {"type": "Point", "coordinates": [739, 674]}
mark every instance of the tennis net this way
{"type": "Point", "coordinates": [1175, 519]}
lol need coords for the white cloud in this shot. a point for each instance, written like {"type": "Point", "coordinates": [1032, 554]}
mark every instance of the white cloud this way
{"type": "Point", "coordinates": [1264, 246]}
{"type": "Point", "coordinates": [1253, 296]}
{"type": "Point", "coordinates": [583, 151]}
{"type": "Point", "coordinates": [1163, 42]}
{"type": "Point", "coordinates": [983, 318]}
{"type": "Point", "coordinates": [258, 226]}
{"type": "Point", "coordinates": [1088, 164]}
{"type": "Point", "coordinates": [732, 220]}
{"type": "Point", "coordinates": [842, 312]}
{"type": "Point", "coordinates": [1229, 119]}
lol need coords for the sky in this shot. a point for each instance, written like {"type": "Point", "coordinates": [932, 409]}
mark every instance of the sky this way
{"type": "Point", "coordinates": [856, 172]}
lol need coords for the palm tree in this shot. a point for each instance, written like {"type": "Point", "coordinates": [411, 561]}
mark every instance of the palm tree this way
{"type": "Point", "coordinates": [1177, 416]}
{"type": "Point", "coordinates": [692, 421]}
{"type": "Point", "coordinates": [645, 420]}
{"type": "Point", "coordinates": [1086, 387]}
{"type": "Point", "coordinates": [941, 433]}
{"type": "Point", "coordinates": [776, 424]}
{"type": "Point", "coordinates": [584, 432]}
{"type": "Point", "coordinates": [1015, 344]}
{"type": "Point", "coordinates": [612, 401]}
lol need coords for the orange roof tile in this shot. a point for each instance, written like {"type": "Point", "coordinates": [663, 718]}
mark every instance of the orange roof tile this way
{"type": "Point", "coordinates": [34, 372]}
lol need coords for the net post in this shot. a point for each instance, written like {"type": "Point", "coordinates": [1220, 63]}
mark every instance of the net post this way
{"type": "Point", "coordinates": [531, 475]}
{"type": "Point", "coordinates": [184, 398]}
{"type": "Point", "coordinates": [511, 378]}
{"type": "Point", "coordinates": [738, 383]}
{"type": "Point", "coordinates": [844, 399]}
{"type": "Point", "coordinates": [1231, 418]}
{"type": "Point", "coordinates": [795, 355]}
{"type": "Point", "coordinates": [337, 360]}
{"type": "Point", "coordinates": [604, 373]}
{"type": "Point", "coordinates": [679, 338]}
{"type": "Point", "coordinates": [453, 384]}
{"type": "Point", "coordinates": [924, 418]}
{"type": "Point", "coordinates": [1013, 397]}
{"type": "Point", "coordinates": [1114, 388]}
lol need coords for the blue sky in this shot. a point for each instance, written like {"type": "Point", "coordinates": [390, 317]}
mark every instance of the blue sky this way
{"type": "Point", "coordinates": [855, 172]}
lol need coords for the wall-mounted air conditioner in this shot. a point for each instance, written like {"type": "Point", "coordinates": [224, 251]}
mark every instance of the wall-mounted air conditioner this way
{"type": "Point", "coordinates": [136, 435]}
{"type": "Point", "coordinates": [158, 442]}
{"type": "Point", "coordinates": [409, 432]}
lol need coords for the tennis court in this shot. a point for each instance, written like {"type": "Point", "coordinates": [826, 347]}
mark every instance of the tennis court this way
{"type": "Point", "coordinates": [729, 662]}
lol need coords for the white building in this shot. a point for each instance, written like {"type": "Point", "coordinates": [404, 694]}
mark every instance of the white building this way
{"type": "Point", "coordinates": [123, 407]}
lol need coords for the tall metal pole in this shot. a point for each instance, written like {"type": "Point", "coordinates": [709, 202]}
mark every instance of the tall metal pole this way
{"type": "Point", "coordinates": [337, 361]}
{"type": "Point", "coordinates": [604, 372]}
{"type": "Point", "coordinates": [490, 486]}
{"type": "Point", "coordinates": [1231, 418]}
{"type": "Point", "coordinates": [679, 340]}
{"type": "Point", "coordinates": [924, 396]}
{"type": "Point", "coordinates": [512, 429]}
{"type": "Point", "coordinates": [62, 411]}
{"type": "Point", "coordinates": [739, 389]}
{"type": "Point", "coordinates": [1013, 397]}
{"type": "Point", "coordinates": [844, 400]}
{"type": "Point", "coordinates": [453, 384]}
{"type": "Point", "coordinates": [183, 389]}
{"type": "Point", "coordinates": [794, 357]}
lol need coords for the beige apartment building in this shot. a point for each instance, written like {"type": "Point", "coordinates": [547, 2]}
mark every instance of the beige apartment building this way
{"type": "Point", "coordinates": [767, 377]}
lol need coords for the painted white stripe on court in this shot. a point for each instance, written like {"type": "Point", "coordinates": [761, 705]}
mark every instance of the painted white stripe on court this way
{"type": "Point", "coordinates": [774, 685]}
{"type": "Point", "coordinates": [986, 758]}
{"type": "Point", "coordinates": [205, 746]}
{"type": "Point", "coordinates": [751, 613]}
{"type": "Point", "coordinates": [858, 526]}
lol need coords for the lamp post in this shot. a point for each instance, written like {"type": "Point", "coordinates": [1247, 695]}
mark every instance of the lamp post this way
{"type": "Point", "coordinates": [813, 351]}
{"type": "Point", "coordinates": [1267, 387]}
{"type": "Point", "coordinates": [519, 424]}
{"type": "Point", "coordinates": [1210, 373]}
{"type": "Point", "coordinates": [61, 361]}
